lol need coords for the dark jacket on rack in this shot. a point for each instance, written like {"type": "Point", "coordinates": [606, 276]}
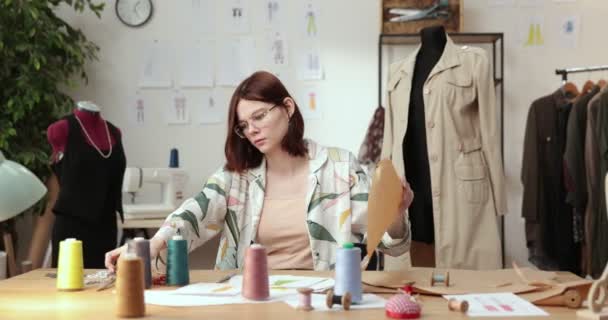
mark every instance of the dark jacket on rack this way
{"type": "Point", "coordinates": [599, 237]}
{"type": "Point", "coordinates": [575, 145]}
{"type": "Point", "coordinates": [592, 159]}
{"type": "Point", "coordinates": [548, 216]}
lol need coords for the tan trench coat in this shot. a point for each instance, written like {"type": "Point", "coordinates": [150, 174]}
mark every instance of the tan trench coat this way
{"type": "Point", "coordinates": [467, 178]}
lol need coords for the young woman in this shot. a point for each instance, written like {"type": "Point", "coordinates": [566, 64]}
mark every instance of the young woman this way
{"type": "Point", "coordinates": [297, 198]}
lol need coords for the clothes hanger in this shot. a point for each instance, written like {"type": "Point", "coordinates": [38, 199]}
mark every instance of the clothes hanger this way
{"type": "Point", "coordinates": [88, 106]}
{"type": "Point", "coordinates": [570, 90]}
{"type": "Point", "coordinates": [601, 83]}
{"type": "Point", "coordinates": [588, 86]}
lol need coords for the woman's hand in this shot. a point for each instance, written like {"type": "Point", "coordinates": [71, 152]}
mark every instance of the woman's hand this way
{"type": "Point", "coordinates": [156, 245]}
{"type": "Point", "coordinates": [408, 195]}
{"type": "Point", "coordinates": [397, 229]}
{"type": "Point", "coordinates": [112, 257]}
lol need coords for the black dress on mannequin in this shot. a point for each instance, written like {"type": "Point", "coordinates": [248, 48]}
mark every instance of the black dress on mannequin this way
{"type": "Point", "coordinates": [415, 154]}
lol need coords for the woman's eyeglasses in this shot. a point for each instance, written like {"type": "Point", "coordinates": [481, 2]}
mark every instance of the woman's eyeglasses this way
{"type": "Point", "coordinates": [258, 119]}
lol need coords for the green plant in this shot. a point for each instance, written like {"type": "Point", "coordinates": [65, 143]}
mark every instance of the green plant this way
{"type": "Point", "coordinates": [39, 54]}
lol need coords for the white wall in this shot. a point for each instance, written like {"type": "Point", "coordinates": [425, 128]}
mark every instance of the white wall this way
{"type": "Point", "coordinates": [349, 32]}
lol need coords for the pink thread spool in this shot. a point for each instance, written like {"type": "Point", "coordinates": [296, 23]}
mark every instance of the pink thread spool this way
{"type": "Point", "coordinates": [304, 299]}
{"type": "Point", "coordinates": [255, 275]}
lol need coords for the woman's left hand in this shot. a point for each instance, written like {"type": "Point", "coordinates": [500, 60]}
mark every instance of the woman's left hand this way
{"type": "Point", "coordinates": [396, 229]}
{"type": "Point", "coordinates": [408, 195]}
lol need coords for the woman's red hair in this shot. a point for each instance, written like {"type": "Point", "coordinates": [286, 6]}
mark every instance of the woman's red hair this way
{"type": "Point", "coordinates": [265, 87]}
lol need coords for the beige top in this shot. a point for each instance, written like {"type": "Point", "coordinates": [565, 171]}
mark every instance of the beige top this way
{"type": "Point", "coordinates": [283, 231]}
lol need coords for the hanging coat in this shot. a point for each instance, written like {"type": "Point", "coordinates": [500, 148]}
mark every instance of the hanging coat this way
{"type": "Point", "coordinates": [467, 179]}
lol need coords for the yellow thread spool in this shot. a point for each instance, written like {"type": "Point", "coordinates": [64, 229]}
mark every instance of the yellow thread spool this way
{"type": "Point", "coordinates": [130, 287]}
{"type": "Point", "coordinates": [70, 269]}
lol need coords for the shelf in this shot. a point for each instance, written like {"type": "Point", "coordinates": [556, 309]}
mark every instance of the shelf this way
{"type": "Point", "coordinates": [461, 38]}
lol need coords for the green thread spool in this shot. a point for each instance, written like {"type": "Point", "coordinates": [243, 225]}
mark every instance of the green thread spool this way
{"type": "Point", "coordinates": [177, 262]}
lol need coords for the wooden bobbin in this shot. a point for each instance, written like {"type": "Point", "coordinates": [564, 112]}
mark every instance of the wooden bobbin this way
{"type": "Point", "coordinates": [456, 305]}
{"type": "Point", "coordinates": [305, 296]}
{"type": "Point", "coordinates": [440, 278]}
{"type": "Point", "coordinates": [572, 299]}
{"type": "Point", "coordinates": [345, 300]}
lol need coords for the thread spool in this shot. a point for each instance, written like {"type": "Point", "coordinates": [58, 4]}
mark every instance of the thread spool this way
{"type": "Point", "coordinates": [70, 269]}
{"type": "Point", "coordinates": [141, 247]}
{"type": "Point", "coordinates": [174, 158]}
{"type": "Point", "coordinates": [443, 278]}
{"type": "Point", "coordinates": [255, 273]}
{"type": "Point", "coordinates": [177, 261]}
{"type": "Point", "coordinates": [344, 300]}
{"type": "Point", "coordinates": [348, 272]}
{"type": "Point", "coordinates": [130, 287]}
{"type": "Point", "coordinates": [2, 265]}
{"type": "Point", "coordinates": [304, 299]}
{"type": "Point", "coordinates": [458, 305]}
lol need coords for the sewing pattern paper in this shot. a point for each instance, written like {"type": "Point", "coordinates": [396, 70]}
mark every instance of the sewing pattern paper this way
{"type": "Point", "coordinates": [177, 109]}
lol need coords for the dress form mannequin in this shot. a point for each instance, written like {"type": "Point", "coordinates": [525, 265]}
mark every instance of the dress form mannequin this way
{"type": "Point", "coordinates": [89, 163]}
{"type": "Point", "coordinates": [90, 117]}
{"type": "Point", "coordinates": [415, 153]}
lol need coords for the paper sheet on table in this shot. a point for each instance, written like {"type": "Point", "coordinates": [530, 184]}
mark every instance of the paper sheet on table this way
{"type": "Point", "coordinates": [209, 289]}
{"type": "Point", "coordinates": [288, 284]}
{"type": "Point", "coordinates": [383, 203]}
{"type": "Point", "coordinates": [498, 305]}
{"type": "Point", "coordinates": [169, 298]}
{"type": "Point", "coordinates": [370, 301]}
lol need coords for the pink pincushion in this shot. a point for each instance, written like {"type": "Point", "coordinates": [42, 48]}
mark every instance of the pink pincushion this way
{"type": "Point", "coordinates": [402, 306]}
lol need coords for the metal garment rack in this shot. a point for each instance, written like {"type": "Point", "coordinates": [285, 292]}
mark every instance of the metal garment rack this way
{"type": "Point", "coordinates": [564, 72]}
{"type": "Point", "coordinates": [386, 40]}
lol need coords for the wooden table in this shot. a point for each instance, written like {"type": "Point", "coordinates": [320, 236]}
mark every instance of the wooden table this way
{"type": "Point", "coordinates": [34, 296]}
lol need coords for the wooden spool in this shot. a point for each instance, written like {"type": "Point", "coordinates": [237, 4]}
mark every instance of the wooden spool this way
{"type": "Point", "coordinates": [456, 305]}
{"type": "Point", "coordinates": [344, 300]}
{"type": "Point", "coordinates": [572, 299]}
{"type": "Point", "coordinates": [440, 278]}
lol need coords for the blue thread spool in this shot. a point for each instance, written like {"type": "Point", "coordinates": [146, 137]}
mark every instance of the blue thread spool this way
{"type": "Point", "coordinates": [348, 272]}
{"type": "Point", "coordinates": [174, 158]}
{"type": "Point", "coordinates": [177, 262]}
{"type": "Point", "coordinates": [440, 278]}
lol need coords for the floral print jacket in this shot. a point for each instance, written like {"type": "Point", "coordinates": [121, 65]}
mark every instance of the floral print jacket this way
{"type": "Point", "coordinates": [231, 203]}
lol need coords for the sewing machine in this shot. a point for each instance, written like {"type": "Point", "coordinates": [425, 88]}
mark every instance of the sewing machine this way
{"type": "Point", "coordinates": [172, 181]}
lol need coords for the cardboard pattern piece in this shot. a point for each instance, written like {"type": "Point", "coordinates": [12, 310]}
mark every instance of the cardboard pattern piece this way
{"type": "Point", "coordinates": [461, 281]}
{"type": "Point", "coordinates": [383, 203]}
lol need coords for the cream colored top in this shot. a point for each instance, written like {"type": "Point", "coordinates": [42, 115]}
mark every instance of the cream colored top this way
{"type": "Point", "coordinates": [283, 231]}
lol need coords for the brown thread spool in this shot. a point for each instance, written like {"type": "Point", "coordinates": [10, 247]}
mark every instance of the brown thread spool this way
{"type": "Point", "coordinates": [304, 299]}
{"type": "Point", "coordinates": [456, 305]}
{"type": "Point", "coordinates": [130, 287]}
{"type": "Point", "coordinates": [255, 274]}
{"type": "Point", "coordinates": [345, 300]}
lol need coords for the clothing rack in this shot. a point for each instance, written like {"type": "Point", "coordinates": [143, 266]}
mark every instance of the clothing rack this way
{"type": "Point", "coordinates": [564, 72]}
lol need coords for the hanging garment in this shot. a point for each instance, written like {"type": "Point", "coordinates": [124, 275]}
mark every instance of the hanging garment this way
{"type": "Point", "coordinates": [575, 161]}
{"type": "Point", "coordinates": [549, 231]}
{"type": "Point", "coordinates": [599, 238]}
{"type": "Point", "coordinates": [369, 152]}
{"type": "Point", "coordinates": [90, 195]}
{"type": "Point", "coordinates": [592, 159]}
{"type": "Point", "coordinates": [467, 179]}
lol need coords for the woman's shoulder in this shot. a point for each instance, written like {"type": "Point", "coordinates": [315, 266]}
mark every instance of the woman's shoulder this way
{"type": "Point", "coordinates": [330, 153]}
